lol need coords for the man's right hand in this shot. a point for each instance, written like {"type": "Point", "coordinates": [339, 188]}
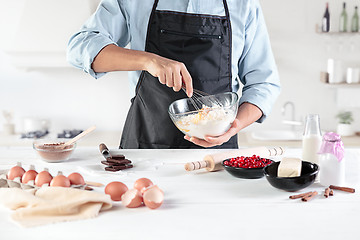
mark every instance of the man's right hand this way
{"type": "Point", "coordinates": [172, 73]}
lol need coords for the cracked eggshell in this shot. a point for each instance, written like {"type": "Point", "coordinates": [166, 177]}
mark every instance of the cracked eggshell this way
{"type": "Point", "coordinates": [132, 198]}
{"type": "Point", "coordinates": [116, 190]}
{"type": "Point", "coordinates": [43, 177]}
{"type": "Point", "coordinates": [28, 176]}
{"type": "Point", "coordinates": [142, 183]}
{"type": "Point", "coordinates": [153, 197]}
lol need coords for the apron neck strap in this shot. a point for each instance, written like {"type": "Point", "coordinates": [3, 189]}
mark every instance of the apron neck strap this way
{"type": "Point", "coordinates": [155, 5]}
{"type": "Point", "coordinates": [224, 2]}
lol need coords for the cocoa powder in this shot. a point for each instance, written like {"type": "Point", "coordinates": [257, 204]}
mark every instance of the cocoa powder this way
{"type": "Point", "coordinates": [54, 151]}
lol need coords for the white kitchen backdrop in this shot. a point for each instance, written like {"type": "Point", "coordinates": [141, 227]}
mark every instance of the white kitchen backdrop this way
{"type": "Point", "coordinates": [35, 80]}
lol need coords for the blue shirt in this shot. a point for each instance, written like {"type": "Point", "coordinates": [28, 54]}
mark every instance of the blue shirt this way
{"type": "Point", "coordinates": [121, 22]}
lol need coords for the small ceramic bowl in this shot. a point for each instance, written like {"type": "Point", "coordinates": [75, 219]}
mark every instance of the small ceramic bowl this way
{"type": "Point", "coordinates": [248, 173]}
{"type": "Point", "coordinates": [308, 175]}
{"type": "Point", "coordinates": [50, 150]}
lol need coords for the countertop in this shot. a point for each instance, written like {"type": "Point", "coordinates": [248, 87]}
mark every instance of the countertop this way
{"type": "Point", "coordinates": [197, 205]}
{"type": "Point", "coordinates": [112, 139]}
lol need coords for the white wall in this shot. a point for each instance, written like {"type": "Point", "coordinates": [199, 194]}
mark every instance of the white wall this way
{"type": "Point", "coordinates": [301, 54]}
{"type": "Point", "coordinates": [68, 97]}
{"type": "Point", "coordinates": [72, 99]}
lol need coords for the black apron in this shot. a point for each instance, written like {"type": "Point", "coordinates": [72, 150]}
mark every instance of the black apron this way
{"type": "Point", "coordinates": [203, 43]}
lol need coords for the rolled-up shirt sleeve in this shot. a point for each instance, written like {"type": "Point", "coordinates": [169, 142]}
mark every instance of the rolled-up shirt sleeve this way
{"type": "Point", "coordinates": [108, 25]}
{"type": "Point", "coordinates": [257, 68]}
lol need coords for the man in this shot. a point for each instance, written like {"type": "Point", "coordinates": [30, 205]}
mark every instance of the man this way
{"type": "Point", "coordinates": [208, 45]}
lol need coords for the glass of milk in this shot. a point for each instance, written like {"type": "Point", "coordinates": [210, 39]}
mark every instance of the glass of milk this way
{"type": "Point", "coordinates": [311, 139]}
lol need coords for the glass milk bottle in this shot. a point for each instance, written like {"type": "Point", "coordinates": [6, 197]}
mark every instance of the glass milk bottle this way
{"type": "Point", "coordinates": [331, 159]}
{"type": "Point", "coordinates": [311, 139]}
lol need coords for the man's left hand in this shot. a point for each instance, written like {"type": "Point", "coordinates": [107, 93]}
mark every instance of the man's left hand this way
{"type": "Point", "coordinates": [209, 141]}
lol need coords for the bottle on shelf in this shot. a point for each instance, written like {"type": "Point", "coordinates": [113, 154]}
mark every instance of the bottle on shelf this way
{"type": "Point", "coordinates": [343, 19]}
{"type": "Point", "coordinates": [326, 20]}
{"type": "Point", "coordinates": [355, 21]}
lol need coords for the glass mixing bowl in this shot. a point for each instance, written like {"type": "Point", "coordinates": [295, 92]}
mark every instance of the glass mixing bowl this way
{"type": "Point", "coordinates": [204, 116]}
{"type": "Point", "coordinates": [50, 151]}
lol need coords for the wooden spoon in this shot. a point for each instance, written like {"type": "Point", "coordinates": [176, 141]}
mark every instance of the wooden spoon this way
{"type": "Point", "coordinates": [74, 139]}
{"type": "Point", "coordinates": [71, 141]}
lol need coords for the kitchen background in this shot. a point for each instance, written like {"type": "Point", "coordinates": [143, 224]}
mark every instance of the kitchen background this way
{"type": "Point", "coordinates": [36, 81]}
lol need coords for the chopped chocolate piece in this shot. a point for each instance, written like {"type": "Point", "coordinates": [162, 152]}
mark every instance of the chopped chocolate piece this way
{"type": "Point", "coordinates": [118, 168]}
{"type": "Point", "coordinates": [118, 157]}
{"type": "Point", "coordinates": [117, 161]}
{"type": "Point", "coordinates": [121, 167]}
{"type": "Point", "coordinates": [111, 169]}
{"type": "Point", "coordinates": [108, 163]}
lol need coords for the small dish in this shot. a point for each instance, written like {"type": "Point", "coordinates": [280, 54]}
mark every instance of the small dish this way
{"type": "Point", "coordinates": [248, 173]}
{"type": "Point", "coordinates": [50, 150]}
{"type": "Point", "coordinates": [309, 171]}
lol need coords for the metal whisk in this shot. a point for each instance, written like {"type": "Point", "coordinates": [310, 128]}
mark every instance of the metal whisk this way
{"type": "Point", "coordinates": [197, 99]}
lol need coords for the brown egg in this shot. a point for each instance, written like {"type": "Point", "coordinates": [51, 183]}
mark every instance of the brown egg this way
{"type": "Point", "coordinates": [132, 198]}
{"type": "Point", "coordinates": [60, 181]}
{"type": "Point", "coordinates": [153, 197]}
{"type": "Point", "coordinates": [142, 183]}
{"type": "Point", "coordinates": [116, 190]}
{"type": "Point", "coordinates": [29, 176]}
{"type": "Point", "coordinates": [76, 179]}
{"type": "Point", "coordinates": [42, 178]}
{"type": "Point", "coordinates": [15, 172]}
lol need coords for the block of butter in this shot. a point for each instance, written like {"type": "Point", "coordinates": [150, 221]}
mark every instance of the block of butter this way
{"type": "Point", "coordinates": [289, 167]}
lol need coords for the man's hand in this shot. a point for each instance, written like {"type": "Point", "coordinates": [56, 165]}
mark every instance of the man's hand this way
{"type": "Point", "coordinates": [172, 73]}
{"type": "Point", "coordinates": [246, 115]}
{"type": "Point", "coordinates": [216, 141]}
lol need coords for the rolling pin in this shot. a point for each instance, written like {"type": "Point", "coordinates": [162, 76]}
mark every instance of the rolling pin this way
{"type": "Point", "coordinates": [213, 162]}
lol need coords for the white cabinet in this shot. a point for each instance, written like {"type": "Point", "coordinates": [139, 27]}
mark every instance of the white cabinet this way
{"type": "Point", "coordinates": [37, 31]}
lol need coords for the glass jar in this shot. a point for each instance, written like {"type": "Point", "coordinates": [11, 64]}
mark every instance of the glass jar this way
{"type": "Point", "coordinates": [331, 159]}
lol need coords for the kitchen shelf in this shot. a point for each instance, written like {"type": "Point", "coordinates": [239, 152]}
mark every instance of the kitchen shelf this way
{"type": "Point", "coordinates": [336, 33]}
{"type": "Point", "coordinates": [342, 85]}
{"type": "Point", "coordinates": [339, 33]}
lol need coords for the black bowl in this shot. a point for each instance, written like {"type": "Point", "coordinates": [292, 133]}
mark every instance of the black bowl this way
{"type": "Point", "coordinates": [309, 171]}
{"type": "Point", "coordinates": [248, 173]}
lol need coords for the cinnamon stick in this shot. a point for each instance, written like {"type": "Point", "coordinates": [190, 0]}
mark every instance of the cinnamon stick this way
{"type": "Point", "coordinates": [331, 193]}
{"type": "Point", "coordinates": [309, 197]}
{"type": "Point", "coordinates": [300, 195]}
{"type": "Point", "coordinates": [327, 192]}
{"type": "Point", "coordinates": [345, 189]}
